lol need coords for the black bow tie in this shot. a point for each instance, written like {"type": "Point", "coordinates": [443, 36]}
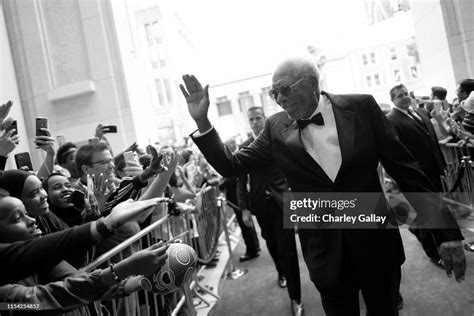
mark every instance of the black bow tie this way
{"type": "Point", "coordinates": [317, 119]}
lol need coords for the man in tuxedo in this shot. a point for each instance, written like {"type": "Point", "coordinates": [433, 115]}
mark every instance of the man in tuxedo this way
{"type": "Point", "coordinates": [333, 143]}
{"type": "Point", "coordinates": [416, 132]}
{"type": "Point", "coordinates": [265, 201]}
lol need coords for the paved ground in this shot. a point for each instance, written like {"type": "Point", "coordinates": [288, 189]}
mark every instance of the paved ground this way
{"type": "Point", "coordinates": [425, 288]}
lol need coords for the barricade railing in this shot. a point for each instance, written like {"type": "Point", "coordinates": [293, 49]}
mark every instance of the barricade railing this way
{"type": "Point", "coordinates": [199, 230]}
{"type": "Point", "coordinates": [207, 226]}
{"type": "Point", "coordinates": [458, 183]}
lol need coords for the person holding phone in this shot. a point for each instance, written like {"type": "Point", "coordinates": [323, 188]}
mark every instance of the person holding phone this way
{"type": "Point", "coordinates": [62, 287]}
{"type": "Point", "coordinates": [9, 137]}
{"type": "Point", "coordinates": [9, 140]}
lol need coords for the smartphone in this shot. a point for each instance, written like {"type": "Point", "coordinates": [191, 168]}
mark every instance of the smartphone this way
{"type": "Point", "coordinates": [93, 141]}
{"type": "Point", "coordinates": [22, 160]}
{"type": "Point", "coordinates": [129, 156]}
{"type": "Point", "coordinates": [41, 122]}
{"type": "Point", "coordinates": [109, 129]}
{"type": "Point", "coordinates": [61, 140]}
{"type": "Point", "coordinates": [77, 198]}
{"type": "Point", "coordinates": [13, 125]}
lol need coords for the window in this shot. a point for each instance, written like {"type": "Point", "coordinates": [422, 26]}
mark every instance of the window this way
{"type": "Point", "coordinates": [149, 36]}
{"type": "Point", "coordinates": [393, 54]}
{"type": "Point", "coordinates": [372, 58]}
{"type": "Point", "coordinates": [224, 107]}
{"type": "Point", "coordinates": [245, 101]}
{"type": "Point", "coordinates": [376, 79]}
{"type": "Point", "coordinates": [364, 59]}
{"type": "Point", "coordinates": [414, 72]}
{"type": "Point", "coordinates": [397, 75]}
{"type": "Point", "coordinates": [368, 81]}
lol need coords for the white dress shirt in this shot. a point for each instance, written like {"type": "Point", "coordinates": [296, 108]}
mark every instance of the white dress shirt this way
{"type": "Point", "coordinates": [322, 141]}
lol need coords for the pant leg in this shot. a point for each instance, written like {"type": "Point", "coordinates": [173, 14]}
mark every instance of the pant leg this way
{"type": "Point", "coordinates": [342, 300]}
{"type": "Point", "coordinates": [286, 245]}
{"type": "Point", "coordinates": [268, 234]}
{"type": "Point", "coordinates": [381, 292]}
{"type": "Point", "coordinates": [248, 233]}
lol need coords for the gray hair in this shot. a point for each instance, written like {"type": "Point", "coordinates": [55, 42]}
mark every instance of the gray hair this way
{"type": "Point", "coordinates": [297, 67]}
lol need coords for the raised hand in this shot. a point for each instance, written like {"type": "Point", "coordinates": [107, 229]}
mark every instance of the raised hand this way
{"type": "Point", "coordinates": [8, 143]}
{"type": "Point", "coordinates": [156, 161]}
{"type": "Point", "coordinates": [101, 186]}
{"type": "Point", "coordinates": [170, 161]}
{"type": "Point", "coordinates": [4, 110]}
{"type": "Point", "coordinates": [129, 210]}
{"type": "Point", "coordinates": [45, 142]}
{"type": "Point", "coordinates": [197, 99]}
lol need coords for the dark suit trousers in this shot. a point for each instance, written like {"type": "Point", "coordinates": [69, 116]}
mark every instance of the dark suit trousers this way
{"type": "Point", "coordinates": [281, 245]}
{"type": "Point", "coordinates": [248, 234]}
{"type": "Point", "coordinates": [379, 288]}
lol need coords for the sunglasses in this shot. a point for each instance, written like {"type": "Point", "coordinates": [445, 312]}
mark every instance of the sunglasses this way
{"type": "Point", "coordinates": [285, 90]}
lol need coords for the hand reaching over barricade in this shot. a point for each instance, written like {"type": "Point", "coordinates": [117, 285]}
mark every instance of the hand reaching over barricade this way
{"type": "Point", "coordinates": [156, 165]}
{"type": "Point", "coordinates": [144, 262]}
{"type": "Point", "coordinates": [129, 210]}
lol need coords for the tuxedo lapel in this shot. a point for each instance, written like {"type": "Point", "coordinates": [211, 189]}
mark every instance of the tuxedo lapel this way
{"type": "Point", "coordinates": [345, 124]}
{"type": "Point", "coordinates": [292, 137]}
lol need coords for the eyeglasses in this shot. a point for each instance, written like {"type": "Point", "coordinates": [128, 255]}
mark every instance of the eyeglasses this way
{"type": "Point", "coordinates": [102, 162]}
{"type": "Point", "coordinates": [285, 90]}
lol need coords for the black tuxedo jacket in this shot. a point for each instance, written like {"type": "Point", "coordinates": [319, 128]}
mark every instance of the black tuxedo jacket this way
{"type": "Point", "coordinates": [365, 138]}
{"type": "Point", "coordinates": [421, 141]}
{"type": "Point", "coordinates": [261, 181]}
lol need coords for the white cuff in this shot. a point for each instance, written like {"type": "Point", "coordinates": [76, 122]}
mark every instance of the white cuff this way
{"type": "Point", "coordinates": [196, 133]}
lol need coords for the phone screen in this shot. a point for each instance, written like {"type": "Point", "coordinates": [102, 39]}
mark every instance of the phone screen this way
{"type": "Point", "coordinates": [129, 156]}
{"type": "Point", "coordinates": [77, 198]}
{"type": "Point", "coordinates": [23, 160]}
{"type": "Point", "coordinates": [41, 122]}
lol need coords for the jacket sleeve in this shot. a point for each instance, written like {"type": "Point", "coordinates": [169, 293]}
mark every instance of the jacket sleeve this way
{"type": "Point", "coordinates": [21, 259]}
{"type": "Point", "coordinates": [70, 293]}
{"type": "Point", "coordinates": [254, 157]}
{"type": "Point", "coordinates": [243, 195]}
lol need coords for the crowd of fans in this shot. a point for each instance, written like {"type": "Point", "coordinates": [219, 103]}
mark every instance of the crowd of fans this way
{"type": "Point", "coordinates": [84, 201]}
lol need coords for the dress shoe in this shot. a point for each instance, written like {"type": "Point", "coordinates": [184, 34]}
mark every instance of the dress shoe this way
{"type": "Point", "coordinates": [248, 256]}
{"type": "Point", "coordinates": [297, 309]}
{"type": "Point", "coordinates": [281, 281]}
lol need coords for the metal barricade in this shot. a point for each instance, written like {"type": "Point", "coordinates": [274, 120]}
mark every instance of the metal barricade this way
{"type": "Point", "coordinates": [458, 183]}
{"type": "Point", "coordinates": [206, 226]}
{"type": "Point", "coordinates": [143, 302]}
{"type": "Point", "coordinates": [199, 229]}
